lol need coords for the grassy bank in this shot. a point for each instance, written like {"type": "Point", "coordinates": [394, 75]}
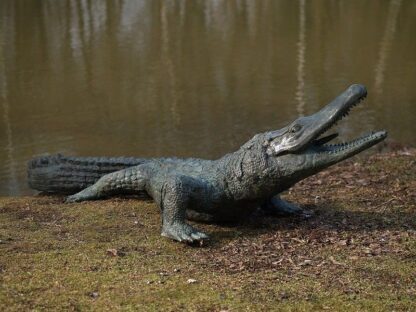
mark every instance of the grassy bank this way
{"type": "Point", "coordinates": [357, 252]}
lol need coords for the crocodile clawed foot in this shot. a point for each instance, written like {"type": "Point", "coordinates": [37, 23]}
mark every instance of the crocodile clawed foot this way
{"type": "Point", "coordinates": [90, 193]}
{"type": "Point", "coordinates": [280, 208]}
{"type": "Point", "coordinates": [307, 214]}
{"type": "Point", "coordinates": [76, 198]}
{"type": "Point", "coordinates": [293, 210]}
{"type": "Point", "coordinates": [71, 199]}
{"type": "Point", "coordinates": [183, 233]}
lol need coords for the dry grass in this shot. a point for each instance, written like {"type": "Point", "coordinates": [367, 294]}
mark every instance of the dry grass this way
{"type": "Point", "coordinates": [358, 252]}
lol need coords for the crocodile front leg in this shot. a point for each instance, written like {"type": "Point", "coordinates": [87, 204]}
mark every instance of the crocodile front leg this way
{"type": "Point", "coordinates": [278, 207]}
{"type": "Point", "coordinates": [175, 199]}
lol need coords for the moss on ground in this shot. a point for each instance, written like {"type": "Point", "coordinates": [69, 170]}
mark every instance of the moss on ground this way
{"type": "Point", "coordinates": [358, 251]}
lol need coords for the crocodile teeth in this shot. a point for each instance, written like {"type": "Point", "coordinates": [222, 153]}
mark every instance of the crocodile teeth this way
{"type": "Point", "coordinates": [336, 148]}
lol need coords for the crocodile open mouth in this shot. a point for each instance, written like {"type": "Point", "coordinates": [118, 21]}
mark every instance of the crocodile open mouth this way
{"type": "Point", "coordinates": [367, 139]}
{"type": "Point", "coordinates": [320, 143]}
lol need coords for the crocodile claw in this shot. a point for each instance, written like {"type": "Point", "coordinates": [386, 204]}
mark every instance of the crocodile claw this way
{"type": "Point", "coordinates": [183, 233]}
{"type": "Point", "coordinates": [70, 199]}
{"type": "Point", "coordinates": [74, 199]}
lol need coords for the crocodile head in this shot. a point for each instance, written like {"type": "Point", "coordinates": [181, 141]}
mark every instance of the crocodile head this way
{"type": "Point", "coordinates": [302, 150]}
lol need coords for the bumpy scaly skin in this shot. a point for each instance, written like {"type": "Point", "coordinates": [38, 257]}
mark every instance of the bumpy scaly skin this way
{"type": "Point", "coordinates": [67, 175]}
{"type": "Point", "coordinates": [202, 190]}
{"type": "Point", "coordinates": [226, 189]}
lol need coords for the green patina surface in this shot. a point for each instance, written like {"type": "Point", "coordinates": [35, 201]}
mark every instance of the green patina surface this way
{"type": "Point", "coordinates": [357, 252]}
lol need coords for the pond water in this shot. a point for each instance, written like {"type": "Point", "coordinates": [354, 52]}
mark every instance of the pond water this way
{"type": "Point", "coordinates": [193, 78]}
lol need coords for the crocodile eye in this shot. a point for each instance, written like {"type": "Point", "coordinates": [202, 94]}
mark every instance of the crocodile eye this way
{"type": "Point", "coordinates": [295, 128]}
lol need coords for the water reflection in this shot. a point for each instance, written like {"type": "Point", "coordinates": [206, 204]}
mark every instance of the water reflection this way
{"type": "Point", "coordinates": [300, 90]}
{"type": "Point", "coordinates": [386, 43]}
{"type": "Point", "coordinates": [10, 172]}
{"type": "Point", "coordinates": [192, 78]}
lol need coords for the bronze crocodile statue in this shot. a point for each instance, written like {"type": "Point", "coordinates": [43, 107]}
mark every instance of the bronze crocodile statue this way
{"type": "Point", "coordinates": [226, 189]}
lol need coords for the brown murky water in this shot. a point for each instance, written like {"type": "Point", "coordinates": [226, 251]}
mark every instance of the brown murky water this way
{"type": "Point", "coordinates": [193, 78]}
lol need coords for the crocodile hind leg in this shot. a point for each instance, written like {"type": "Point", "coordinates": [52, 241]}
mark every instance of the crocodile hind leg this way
{"type": "Point", "coordinates": [278, 207]}
{"type": "Point", "coordinates": [175, 198]}
{"type": "Point", "coordinates": [126, 181]}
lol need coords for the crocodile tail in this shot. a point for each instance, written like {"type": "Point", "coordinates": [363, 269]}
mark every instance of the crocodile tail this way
{"type": "Point", "coordinates": [67, 175]}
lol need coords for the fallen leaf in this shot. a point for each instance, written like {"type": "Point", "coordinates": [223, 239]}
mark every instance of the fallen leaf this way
{"type": "Point", "coordinates": [306, 262]}
{"type": "Point", "coordinates": [112, 252]}
{"type": "Point", "coordinates": [332, 259]}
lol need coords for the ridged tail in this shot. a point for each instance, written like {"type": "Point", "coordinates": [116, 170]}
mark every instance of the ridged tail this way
{"type": "Point", "coordinates": [68, 175]}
